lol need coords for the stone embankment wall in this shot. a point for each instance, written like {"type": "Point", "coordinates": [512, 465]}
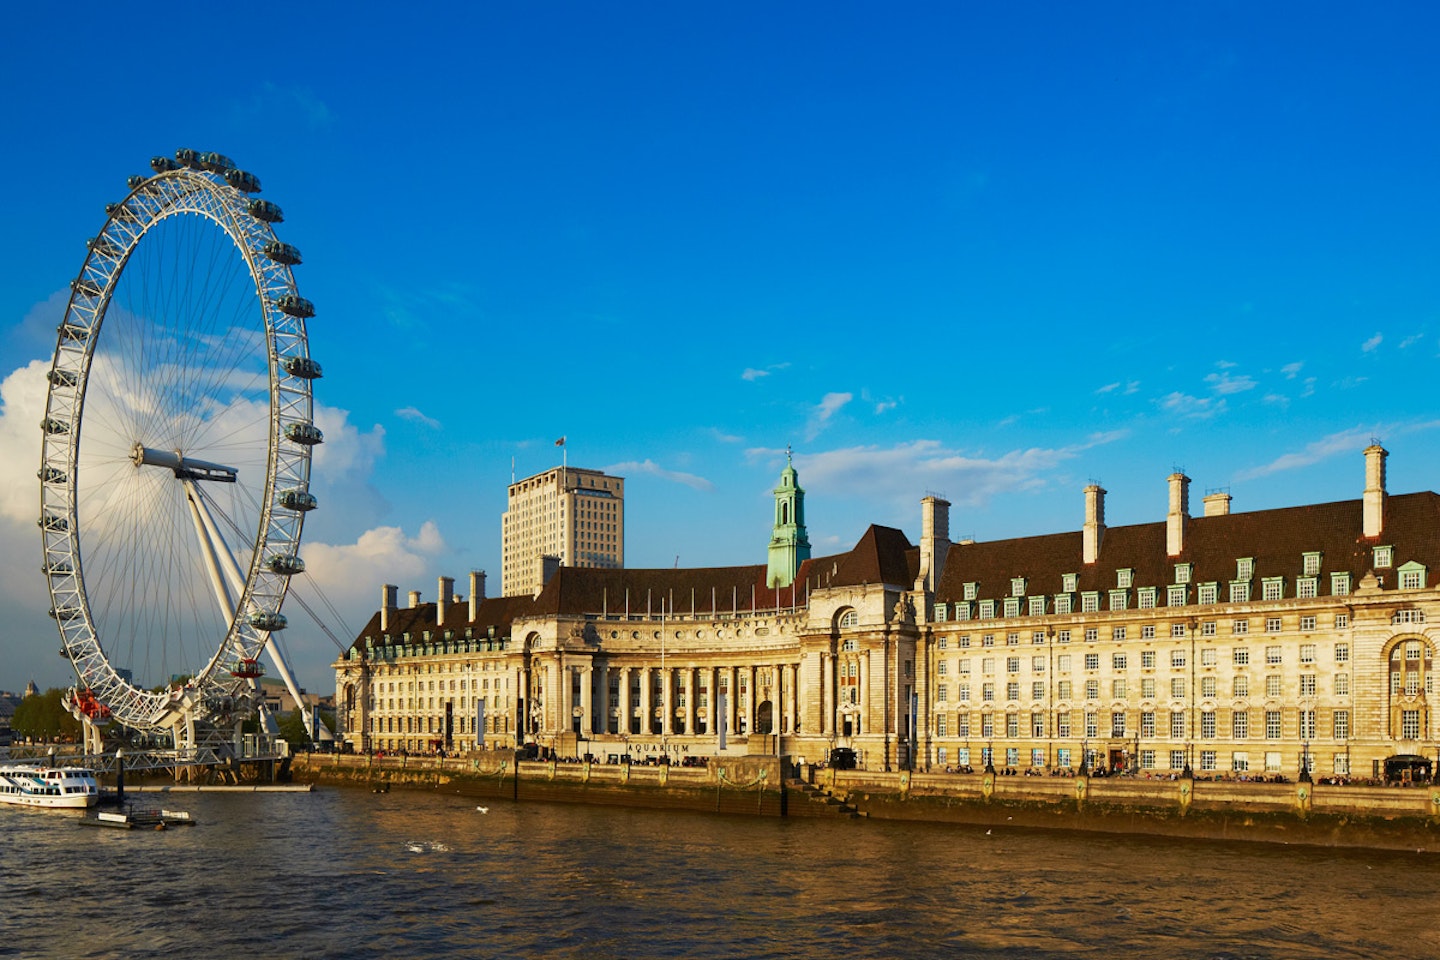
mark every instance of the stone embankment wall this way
{"type": "Point", "coordinates": [1396, 818]}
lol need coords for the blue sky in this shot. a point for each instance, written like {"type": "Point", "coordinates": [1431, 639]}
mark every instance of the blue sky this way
{"type": "Point", "coordinates": [990, 253]}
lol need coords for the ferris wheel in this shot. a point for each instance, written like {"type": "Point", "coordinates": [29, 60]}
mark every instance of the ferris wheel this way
{"type": "Point", "coordinates": [177, 441]}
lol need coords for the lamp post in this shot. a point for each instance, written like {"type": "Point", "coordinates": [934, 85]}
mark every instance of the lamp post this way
{"type": "Point", "coordinates": [990, 757]}
{"type": "Point", "coordinates": [1085, 756]}
{"type": "Point", "coordinates": [1305, 763]}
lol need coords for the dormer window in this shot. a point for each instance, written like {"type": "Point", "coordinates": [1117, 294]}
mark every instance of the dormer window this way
{"type": "Point", "coordinates": [1244, 568]}
{"type": "Point", "coordinates": [1182, 573]}
{"type": "Point", "coordinates": [1125, 578]}
{"type": "Point", "coordinates": [941, 610]}
{"type": "Point", "coordinates": [1384, 557]}
{"type": "Point", "coordinates": [1240, 591]}
{"type": "Point", "coordinates": [1274, 588]}
{"type": "Point", "coordinates": [1012, 606]}
{"type": "Point", "coordinates": [1118, 599]}
{"type": "Point", "coordinates": [1310, 564]}
{"type": "Point", "coordinates": [1089, 601]}
{"type": "Point", "coordinates": [1068, 582]}
{"type": "Point", "coordinates": [1412, 576]}
{"type": "Point", "coordinates": [1340, 584]}
{"type": "Point", "coordinates": [971, 590]}
{"type": "Point", "coordinates": [1037, 606]}
{"type": "Point", "coordinates": [987, 609]}
{"type": "Point", "coordinates": [1017, 586]}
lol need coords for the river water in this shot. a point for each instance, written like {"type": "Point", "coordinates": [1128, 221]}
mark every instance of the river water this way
{"type": "Point", "coordinates": [345, 873]}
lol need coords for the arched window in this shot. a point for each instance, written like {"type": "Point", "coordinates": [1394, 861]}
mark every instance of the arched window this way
{"type": "Point", "coordinates": [847, 618]}
{"type": "Point", "coordinates": [1411, 687]}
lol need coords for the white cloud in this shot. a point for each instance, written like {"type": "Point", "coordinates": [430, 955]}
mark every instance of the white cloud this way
{"type": "Point", "coordinates": [820, 415]}
{"type": "Point", "coordinates": [1369, 345]}
{"type": "Point", "coordinates": [1411, 340]}
{"type": "Point", "coordinates": [1292, 370]}
{"type": "Point", "coordinates": [755, 373]}
{"type": "Point", "coordinates": [415, 416]}
{"type": "Point", "coordinates": [1356, 438]}
{"type": "Point", "coordinates": [1109, 387]}
{"type": "Point", "coordinates": [901, 473]}
{"type": "Point", "coordinates": [1224, 384]}
{"type": "Point", "coordinates": [1225, 364]}
{"type": "Point", "coordinates": [653, 469]}
{"type": "Point", "coordinates": [885, 406]}
{"type": "Point", "coordinates": [1195, 408]}
{"type": "Point", "coordinates": [720, 435]}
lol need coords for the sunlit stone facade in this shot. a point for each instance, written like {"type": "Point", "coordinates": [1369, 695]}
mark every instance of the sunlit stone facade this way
{"type": "Point", "coordinates": [1236, 644]}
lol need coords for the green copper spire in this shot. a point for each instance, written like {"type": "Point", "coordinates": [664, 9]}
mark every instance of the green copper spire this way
{"type": "Point", "coordinates": [789, 547]}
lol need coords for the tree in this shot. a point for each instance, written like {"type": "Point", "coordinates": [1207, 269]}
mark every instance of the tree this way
{"type": "Point", "coordinates": [41, 717]}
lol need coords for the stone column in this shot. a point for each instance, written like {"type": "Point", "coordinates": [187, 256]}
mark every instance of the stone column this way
{"type": "Point", "coordinates": [862, 722]}
{"type": "Point", "coordinates": [667, 700]}
{"type": "Point", "coordinates": [587, 700]}
{"type": "Point", "coordinates": [792, 699]}
{"type": "Point", "coordinates": [732, 700]}
{"type": "Point", "coordinates": [752, 695]}
{"type": "Point", "coordinates": [687, 684]}
{"type": "Point", "coordinates": [626, 708]}
{"type": "Point", "coordinates": [827, 695]}
{"type": "Point", "coordinates": [645, 708]}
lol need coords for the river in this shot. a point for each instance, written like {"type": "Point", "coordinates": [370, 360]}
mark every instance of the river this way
{"type": "Point", "coordinates": [345, 873]}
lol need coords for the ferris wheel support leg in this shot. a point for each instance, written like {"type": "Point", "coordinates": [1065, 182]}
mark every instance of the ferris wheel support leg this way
{"type": "Point", "coordinates": [216, 549]}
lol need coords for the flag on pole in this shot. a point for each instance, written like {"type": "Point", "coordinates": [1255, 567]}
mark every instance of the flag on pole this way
{"type": "Point", "coordinates": [560, 442]}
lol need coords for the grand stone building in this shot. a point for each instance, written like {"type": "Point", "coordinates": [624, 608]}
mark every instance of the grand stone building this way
{"type": "Point", "coordinates": [1228, 643]}
{"type": "Point", "coordinates": [563, 517]}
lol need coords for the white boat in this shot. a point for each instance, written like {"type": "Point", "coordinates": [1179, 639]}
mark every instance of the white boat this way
{"type": "Point", "coordinates": [34, 785]}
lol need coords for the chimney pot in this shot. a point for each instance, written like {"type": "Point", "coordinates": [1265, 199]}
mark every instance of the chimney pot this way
{"type": "Point", "coordinates": [387, 604]}
{"type": "Point", "coordinates": [1374, 500]}
{"type": "Point", "coordinates": [1217, 504]}
{"type": "Point", "coordinates": [414, 599]}
{"type": "Point", "coordinates": [1094, 530]}
{"type": "Point", "coordinates": [445, 595]}
{"type": "Point", "coordinates": [1179, 512]}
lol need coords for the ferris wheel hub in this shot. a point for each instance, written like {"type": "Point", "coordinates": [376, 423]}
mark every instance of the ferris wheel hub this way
{"type": "Point", "coordinates": [184, 468]}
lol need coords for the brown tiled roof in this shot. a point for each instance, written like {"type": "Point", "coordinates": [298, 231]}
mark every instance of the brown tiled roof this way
{"type": "Point", "coordinates": [497, 612]}
{"type": "Point", "coordinates": [1275, 539]}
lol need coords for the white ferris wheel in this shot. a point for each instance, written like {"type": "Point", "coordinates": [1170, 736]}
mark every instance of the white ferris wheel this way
{"type": "Point", "coordinates": [175, 472]}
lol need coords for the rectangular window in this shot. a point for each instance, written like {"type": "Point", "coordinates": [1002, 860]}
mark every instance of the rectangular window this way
{"type": "Point", "coordinates": [1342, 653]}
{"type": "Point", "coordinates": [1239, 725]}
{"type": "Point", "coordinates": [1147, 688]}
{"type": "Point", "coordinates": [1012, 639]}
{"type": "Point", "coordinates": [1175, 596]}
{"type": "Point", "coordinates": [1147, 723]}
{"type": "Point", "coordinates": [1012, 727]}
{"type": "Point", "coordinates": [1062, 724]}
{"type": "Point", "coordinates": [1207, 629]}
{"type": "Point", "coordinates": [1207, 725]}
{"type": "Point", "coordinates": [1012, 664]}
{"type": "Point", "coordinates": [1147, 659]}
{"type": "Point", "coordinates": [1092, 689]}
{"type": "Point", "coordinates": [987, 640]}
{"type": "Point", "coordinates": [1240, 656]}
{"type": "Point", "coordinates": [1037, 664]}
{"type": "Point", "coordinates": [1239, 762]}
{"type": "Point", "coordinates": [972, 590]}
{"type": "Point", "coordinates": [1089, 602]}
{"type": "Point", "coordinates": [1062, 689]}
{"type": "Point", "coordinates": [1012, 607]}
{"type": "Point", "coordinates": [1342, 684]}
{"type": "Point", "coordinates": [1117, 724]}
{"type": "Point", "coordinates": [941, 668]}
{"type": "Point", "coordinates": [987, 692]}
{"type": "Point", "coordinates": [1384, 557]}
{"type": "Point", "coordinates": [1147, 632]}
{"type": "Point", "coordinates": [1037, 638]}
{"type": "Point", "coordinates": [1037, 690]}
{"type": "Point", "coordinates": [1307, 724]}
{"type": "Point", "coordinates": [1208, 657]}
{"type": "Point", "coordinates": [1273, 588]}
{"type": "Point", "coordinates": [1273, 654]}
{"type": "Point", "coordinates": [1209, 593]}
{"type": "Point", "coordinates": [1092, 661]}
{"type": "Point", "coordinates": [1117, 633]}
{"type": "Point", "coordinates": [987, 609]}
{"type": "Point", "coordinates": [1207, 760]}
{"type": "Point", "coordinates": [1062, 603]}
{"type": "Point", "coordinates": [1412, 579]}
{"type": "Point", "coordinates": [1177, 659]}
{"type": "Point", "coordinates": [964, 642]}
{"type": "Point", "coordinates": [940, 611]}
{"type": "Point", "coordinates": [1340, 584]}
{"type": "Point", "coordinates": [1068, 582]}
{"type": "Point", "coordinates": [1307, 684]}
{"type": "Point", "coordinates": [1092, 725]}
{"type": "Point", "coordinates": [1177, 630]}
{"type": "Point", "coordinates": [1147, 598]}
{"type": "Point", "coordinates": [1017, 586]}
{"type": "Point", "coordinates": [1177, 759]}
{"type": "Point", "coordinates": [1207, 686]}
{"type": "Point", "coordinates": [1062, 663]}
{"type": "Point", "coordinates": [1012, 690]}
{"type": "Point", "coordinates": [1062, 636]}
{"type": "Point", "coordinates": [1091, 634]}
{"type": "Point", "coordinates": [987, 665]}
{"type": "Point", "coordinates": [1342, 724]}
{"type": "Point", "coordinates": [1037, 724]}
{"type": "Point", "coordinates": [1177, 688]}
{"type": "Point", "coordinates": [1244, 568]}
{"type": "Point", "coordinates": [942, 693]}
{"type": "Point", "coordinates": [1272, 685]}
{"type": "Point", "coordinates": [1310, 564]}
{"type": "Point", "coordinates": [987, 727]}
{"type": "Point", "coordinates": [1307, 624]}
{"type": "Point", "coordinates": [1118, 599]}
{"type": "Point", "coordinates": [963, 611]}
{"type": "Point", "coordinates": [1273, 625]}
{"type": "Point", "coordinates": [1037, 606]}
{"type": "Point", "coordinates": [1118, 661]}
{"type": "Point", "coordinates": [1117, 689]}
{"type": "Point", "coordinates": [1272, 724]}
{"type": "Point", "coordinates": [1177, 725]}
{"type": "Point", "coordinates": [964, 691]}
{"type": "Point", "coordinates": [1240, 592]}
{"type": "Point", "coordinates": [1410, 724]}
{"type": "Point", "coordinates": [1307, 653]}
{"type": "Point", "coordinates": [1182, 573]}
{"type": "Point", "coordinates": [1240, 627]}
{"type": "Point", "coordinates": [1307, 588]}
